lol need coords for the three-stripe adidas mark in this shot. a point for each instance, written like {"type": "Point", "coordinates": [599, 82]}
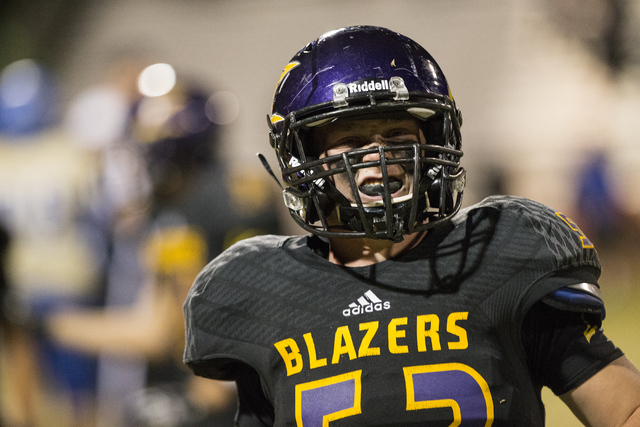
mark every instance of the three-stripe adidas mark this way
{"type": "Point", "coordinates": [368, 303]}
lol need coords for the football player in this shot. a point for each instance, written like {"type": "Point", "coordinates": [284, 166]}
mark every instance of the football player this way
{"type": "Point", "coordinates": [399, 308]}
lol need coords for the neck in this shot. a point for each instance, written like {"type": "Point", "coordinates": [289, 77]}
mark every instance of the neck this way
{"type": "Point", "coordinates": [363, 252]}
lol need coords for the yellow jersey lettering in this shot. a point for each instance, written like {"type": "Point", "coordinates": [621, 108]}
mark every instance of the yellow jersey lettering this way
{"type": "Point", "coordinates": [314, 362]}
{"type": "Point", "coordinates": [394, 334]}
{"type": "Point", "coordinates": [458, 331]}
{"type": "Point", "coordinates": [343, 344]}
{"type": "Point", "coordinates": [428, 337]}
{"type": "Point", "coordinates": [584, 240]}
{"type": "Point", "coordinates": [589, 332]}
{"type": "Point", "coordinates": [432, 333]}
{"type": "Point", "coordinates": [292, 359]}
{"type": "Point", "coordinates": [365, 350]}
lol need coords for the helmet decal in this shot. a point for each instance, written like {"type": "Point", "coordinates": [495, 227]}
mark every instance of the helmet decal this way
{"type": "Point", "coordinates": [275, 118]}
{"type": "Point", "coordinates": [287, 69]}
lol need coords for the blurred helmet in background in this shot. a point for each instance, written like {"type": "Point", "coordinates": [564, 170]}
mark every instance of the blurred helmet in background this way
{"type": "Point", "coordinates": [176, 131]}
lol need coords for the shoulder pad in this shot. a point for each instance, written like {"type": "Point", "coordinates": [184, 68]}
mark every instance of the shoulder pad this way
{"type": "Point", "coordinates": [581, 297]}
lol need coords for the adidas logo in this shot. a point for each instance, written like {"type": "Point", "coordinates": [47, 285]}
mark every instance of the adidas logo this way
{"type": "Point", "coordinates": [368, 303]}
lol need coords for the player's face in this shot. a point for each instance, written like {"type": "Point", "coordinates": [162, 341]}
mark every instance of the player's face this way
{"type": "Point", "coordinates": [346, 135]}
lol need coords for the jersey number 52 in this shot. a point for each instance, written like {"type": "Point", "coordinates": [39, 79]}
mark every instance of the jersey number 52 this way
{"type": "Point", "coordinates": [453, 385]}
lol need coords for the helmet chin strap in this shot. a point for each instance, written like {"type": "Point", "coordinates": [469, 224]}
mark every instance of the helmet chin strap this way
{"type": "Point", "coordinates": [376, 215]}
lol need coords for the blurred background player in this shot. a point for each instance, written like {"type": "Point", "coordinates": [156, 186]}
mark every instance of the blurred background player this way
{"type": "Point", "coordinates": [47, 188]}
{"type": "Point", "coordinates": [195, 208]}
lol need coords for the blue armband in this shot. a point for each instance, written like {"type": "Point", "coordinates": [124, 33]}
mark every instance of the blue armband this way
{"type": "Point", "coordinates": [581, 297]}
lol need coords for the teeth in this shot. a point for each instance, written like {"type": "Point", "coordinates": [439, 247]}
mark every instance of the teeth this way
{"type": "Point", "coordinates": [376, 187]}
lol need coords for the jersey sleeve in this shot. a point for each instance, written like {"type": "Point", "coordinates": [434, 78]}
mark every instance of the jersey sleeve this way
{"type": "Point", "coordinates": [549, 250]}
{"type": "Point", "coordinates": [560, 309]}
{"type": "Point", "coordinates": [224, 310]}
{"type": "Point", "coordinates": [230, 327]}
{"type": "Point", "coordinates": [564, 346]}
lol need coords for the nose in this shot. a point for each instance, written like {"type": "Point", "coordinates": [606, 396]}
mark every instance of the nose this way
{"type": "Point", "coordinates": [375, 142]}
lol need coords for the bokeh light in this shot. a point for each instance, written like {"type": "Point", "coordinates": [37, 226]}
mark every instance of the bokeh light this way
{"type": "Point", "coordinates": [19, 83]}
{"type": "Point", "coordinates": [157, 80]}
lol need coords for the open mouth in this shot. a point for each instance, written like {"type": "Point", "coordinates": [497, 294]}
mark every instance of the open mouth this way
{"type": "Point", "coordinates": [375, 188]}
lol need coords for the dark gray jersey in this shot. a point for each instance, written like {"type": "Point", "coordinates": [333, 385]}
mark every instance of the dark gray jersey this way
{"type": "Point", "coordinates": [432, 336]}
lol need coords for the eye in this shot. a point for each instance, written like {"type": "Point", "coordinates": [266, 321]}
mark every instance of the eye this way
{"type": "Point", "coordinates": [351, 142]}
{"type": "Point", "coordinates": [396, 132]}
{"type": "Point", "coordinates": [348, 143]}
{"type": "Point", "coordinates": [401, 136]}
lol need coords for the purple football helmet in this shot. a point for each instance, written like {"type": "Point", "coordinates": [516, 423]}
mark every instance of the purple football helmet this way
{"type": "Point", "coordinates": [366, 72]}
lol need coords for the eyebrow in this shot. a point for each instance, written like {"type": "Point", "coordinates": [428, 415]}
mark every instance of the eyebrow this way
{"type": "Point", "coordinates": [318, 135]}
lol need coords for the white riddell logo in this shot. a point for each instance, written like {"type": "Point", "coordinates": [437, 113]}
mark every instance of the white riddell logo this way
{"type": "Point", "coordinates": [367, 85]}
{"type": "Point", "coordinates": [368, 303]}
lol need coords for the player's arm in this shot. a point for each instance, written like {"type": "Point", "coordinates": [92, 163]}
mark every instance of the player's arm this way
{"type": "Point", "coordinates": [144, 329]}
{"type": "Point", "coordinates": [609, 398]}
{"type": "Point", "coordinates": [568, 352]}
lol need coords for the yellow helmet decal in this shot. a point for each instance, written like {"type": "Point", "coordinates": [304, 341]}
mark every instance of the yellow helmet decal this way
{"type": "Point", "coordinates": [275, 118]}
{"type": "Point", "coordinates": [287, 69]}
